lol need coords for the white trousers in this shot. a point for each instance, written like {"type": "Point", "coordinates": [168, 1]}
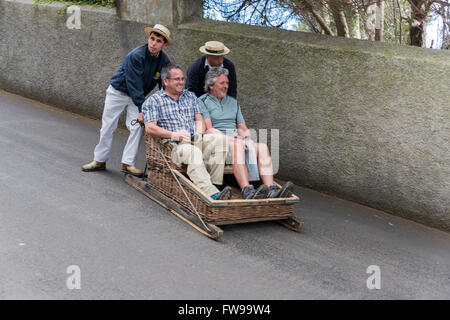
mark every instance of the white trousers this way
{"type": "Point", "coordinates": [115, 102]}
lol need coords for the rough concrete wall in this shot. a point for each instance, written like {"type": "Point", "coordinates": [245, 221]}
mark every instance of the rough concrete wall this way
{"type": "Point", "coordinates": [42, 59]}
{"type": "Point", "coordinates": [369, 122]}
{"type": "Point", "coordinates": [366, 121]}
{"type": "Point", "coordinates": [167, 12]}
{"type": "Point", "coordinates": [146, 11]}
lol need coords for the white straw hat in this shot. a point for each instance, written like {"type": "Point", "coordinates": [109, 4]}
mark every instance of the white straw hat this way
{"type": "Point", "coordinates": [160, 29]}
{"type": "Point", "coordinates": [214, 48]}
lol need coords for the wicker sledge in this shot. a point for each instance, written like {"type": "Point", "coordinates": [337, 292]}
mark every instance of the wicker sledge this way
{"type": "Point", "coordinates": [172, 189]}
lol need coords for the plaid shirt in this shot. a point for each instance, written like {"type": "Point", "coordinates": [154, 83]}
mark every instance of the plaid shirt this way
{"type": "Point", "coordinates": [171, 114]}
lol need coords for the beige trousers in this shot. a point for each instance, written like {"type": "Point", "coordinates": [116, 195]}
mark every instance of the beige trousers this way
{"type": "Point", "coordinates": [205, 161]}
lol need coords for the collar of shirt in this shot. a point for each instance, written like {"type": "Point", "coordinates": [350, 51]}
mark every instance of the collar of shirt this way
{"type": "Point", "coordinates": [208, 65]}
{"type": "Point", "coordinates": [164, 94]}
{"type": "Point", "coordinates": [213, 98]}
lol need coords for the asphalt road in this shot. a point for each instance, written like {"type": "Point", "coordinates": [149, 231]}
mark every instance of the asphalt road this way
{"type": "Point", "coordinates": [53, 216]}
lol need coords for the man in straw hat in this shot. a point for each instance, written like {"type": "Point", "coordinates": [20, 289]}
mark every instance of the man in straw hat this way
{"type": "Point", "coordinates": [214, 57]}
{"type": "Point", "coordinates": [136, 77]}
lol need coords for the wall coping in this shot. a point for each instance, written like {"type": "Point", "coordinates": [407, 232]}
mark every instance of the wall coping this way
{"type": "Point", "coordinates": [59, 5]}
{"type": "Point", "coordinates": [345, 45]}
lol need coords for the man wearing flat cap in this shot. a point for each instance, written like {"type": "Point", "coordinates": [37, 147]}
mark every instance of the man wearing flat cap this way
{"type": "Point", "coordinates": [214, 52]}
{"type": "Point", "coordinates": [139, 73]}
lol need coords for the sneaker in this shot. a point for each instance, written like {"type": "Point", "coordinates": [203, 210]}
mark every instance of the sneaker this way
{"type": "Point", "coordinates": [225, 194]}
{"type": "Point", "coordinates": [286, 190]}
{"type": "Point", "coordinates": [274, 191]}
{"type": "Point", "coordinates": [261, 192]}
{"type": "Point", "coordinates": [94, 166]}
{"type": "Point", "coordinates": [249, 192]}
{"type": "Point", "coordinates": [132, 170]}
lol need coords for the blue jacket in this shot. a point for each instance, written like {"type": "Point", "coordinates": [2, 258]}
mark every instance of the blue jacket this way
{"type": "Point", "coordinates": [139, 74]}
{"type": "Point", "coordinates": [196, 77]}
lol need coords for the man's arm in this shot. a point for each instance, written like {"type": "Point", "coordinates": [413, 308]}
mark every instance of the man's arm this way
{"type": "Point", "coordinates": [240, 124]}
{"type": "Point", "coordinates": [134, 70]}
{"type": "Point", "coordinates": [210, 129]}
{"type": "Point", "coordinates": [199, 124]}
{"type": "Point", "coordinates": [243, 130]}
{"type": "Point", "coordinates": [153, 129]}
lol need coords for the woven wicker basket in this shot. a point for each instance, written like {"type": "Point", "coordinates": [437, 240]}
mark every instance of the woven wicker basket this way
{"type": "Point", "coordinates": [215, 211]}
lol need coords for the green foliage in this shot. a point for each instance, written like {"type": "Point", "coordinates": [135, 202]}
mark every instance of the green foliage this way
{"type": "Point", "coordinates": [396, 27]}
{"type": "Point", "coordinates": [302, 26]}
{"type": "Point", "coordinates": [334, 17]}
{"type": "Point", "coordinates": [99, 3]}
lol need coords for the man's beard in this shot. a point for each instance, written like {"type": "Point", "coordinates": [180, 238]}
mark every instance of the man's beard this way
{"type": "Point", "coordinates": [222, 94]}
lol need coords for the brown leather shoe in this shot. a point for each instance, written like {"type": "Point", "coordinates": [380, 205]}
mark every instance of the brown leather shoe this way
{"type": "Point", "coordinates": [131, 170]}
{"type": "Point", "coordinates": [94, 166]}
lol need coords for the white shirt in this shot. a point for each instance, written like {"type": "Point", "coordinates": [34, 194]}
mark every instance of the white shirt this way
{"type": "Point", "coordinates": [208, 65]}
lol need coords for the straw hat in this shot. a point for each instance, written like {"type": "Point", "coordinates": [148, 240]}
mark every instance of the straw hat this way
{"type": "Point", "coordinates": [160, 29]}
{"type": "Point", "coordinates": [214, 48]}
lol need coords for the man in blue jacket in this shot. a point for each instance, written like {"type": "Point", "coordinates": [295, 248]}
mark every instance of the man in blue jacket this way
{"type": "Point", "coordinates": [214, 57]}
{"type": "Point", "coordinates": [136, 77]}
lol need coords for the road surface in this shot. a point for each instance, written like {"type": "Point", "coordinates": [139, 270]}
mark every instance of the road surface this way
{"type": "Point", "coordinates": [62, 229]}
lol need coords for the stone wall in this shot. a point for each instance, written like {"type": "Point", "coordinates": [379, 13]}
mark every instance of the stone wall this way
{"type": "Point", "coordinates": [369, 122]}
